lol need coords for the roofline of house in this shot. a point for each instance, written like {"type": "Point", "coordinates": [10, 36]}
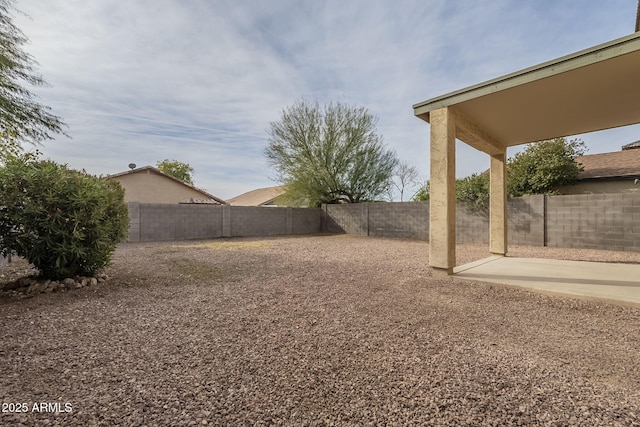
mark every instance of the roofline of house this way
{"type": "Point", "coordinates": [159, 172]}
{"type": "Point", "coordinates": [610, 178]}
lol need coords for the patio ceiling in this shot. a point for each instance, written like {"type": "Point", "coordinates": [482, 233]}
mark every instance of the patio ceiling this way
{"type": "Point", "coordinates": [594, 89]}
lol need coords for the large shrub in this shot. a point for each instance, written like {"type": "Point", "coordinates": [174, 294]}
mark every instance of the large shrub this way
{"type": "Point", "coordinates": [63, 221]}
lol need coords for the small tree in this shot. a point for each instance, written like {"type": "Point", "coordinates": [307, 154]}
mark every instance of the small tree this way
{"type": "Point", "coordinates": [22, 119]}
{"type": "Point", "coordinates": [329, 155]}
{"type": "Point", "coordinates": [544, 166]}
{"type": "Point", "coordinates": [404, 175]}
{"type": "Point", "coordinates": [177, 169]}
{"type": "Point", "coordinates": [64, 222]}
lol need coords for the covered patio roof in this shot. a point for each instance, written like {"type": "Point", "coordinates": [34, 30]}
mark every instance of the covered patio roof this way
{"type": "Point", "coordinates": [590, 90]}
{"type": "Point", "coordinates": [594, 89]}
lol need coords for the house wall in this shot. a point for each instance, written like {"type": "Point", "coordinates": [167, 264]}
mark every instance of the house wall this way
{"type": "Point", "coordinates": [148, 187]}
{"type": "Point", "coordinates": [600, 187]}
{"type": "Point", "coordinates": [164, 222]}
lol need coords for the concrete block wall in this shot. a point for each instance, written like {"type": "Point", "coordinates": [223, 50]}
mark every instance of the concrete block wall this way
{"type": "Point", "coordinates": [160, 222]}
{"type": "Point", "coordinates": [403, 220]}
{"type": "Point", "coordinates": [134, 221]}
{"type": "Point", "coordinates": [272, 221]}
{"type": "Point", "coordinates": [598, 221]}
{"type": "Point", "coordinates": [305, 220]}
{"type": "Point", "coordinates": [601, 221]}
{"type": "Point", "coordinates": [165, 222]}
{"type": "Point", "coordinates": [471, 227]}
{"type": "Point", "coordinates": [347, 218]}
{"type": "Point", "coordinates": [526, 220]}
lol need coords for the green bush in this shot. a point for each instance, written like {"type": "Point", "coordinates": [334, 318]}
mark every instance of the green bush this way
{"type": "Point", "coordinates": [473, 192]}
{"type": "Point", "coordinates": [64, 222]}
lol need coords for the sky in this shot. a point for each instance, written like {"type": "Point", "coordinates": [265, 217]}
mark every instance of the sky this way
{"type": "Point", "coordinates": [200, 81]}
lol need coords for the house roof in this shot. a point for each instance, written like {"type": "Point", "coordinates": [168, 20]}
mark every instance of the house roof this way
{"type": "Point", "coordinates": [625, 163]}
{"type": "Point", "coordinates": [258, 197]}
{"type": "Point", "coordinates": [590, 90]}
{"type": "Point", "coordinates": [151, 169]}
{"type": "Point", "coordinates": [631, 146]}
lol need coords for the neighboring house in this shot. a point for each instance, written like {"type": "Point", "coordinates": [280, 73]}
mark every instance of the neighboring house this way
{"type": "Point", "coordinates": [150, 185]}
{"type": "Point", "coordinates": [270, 196]}
{"type": "Point", "coordinates": [616, 172]}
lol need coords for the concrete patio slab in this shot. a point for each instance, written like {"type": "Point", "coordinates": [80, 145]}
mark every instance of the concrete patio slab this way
{"type": "Point", "coordinates": [611, 281]}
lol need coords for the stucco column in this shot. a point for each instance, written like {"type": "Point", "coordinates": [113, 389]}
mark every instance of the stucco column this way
{"type": "Point", "coordinates": [442, 201]}
{"type": "Point", "coordinates": [498, 205]}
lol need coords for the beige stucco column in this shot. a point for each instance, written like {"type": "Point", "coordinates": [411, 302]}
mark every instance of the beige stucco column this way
{"type": "Point", "coordinates": [442, 204]}
{"type": "Point", "coordinates": [498, 205]}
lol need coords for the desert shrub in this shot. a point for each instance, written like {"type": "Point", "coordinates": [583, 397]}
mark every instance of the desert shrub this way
{"type": "Point", "coordinates": [63, 221]}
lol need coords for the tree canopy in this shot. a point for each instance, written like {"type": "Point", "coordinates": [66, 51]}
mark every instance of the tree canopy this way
{"type": "Point", "coordinates": [541, 168]}
{"type": "Point", "coordinates": [423, 194]}
{"type": "Point", "coordinates": [22, 118]}
{"type": "Point", "coordinates": [330, 154]}
{"type": "Point", "coordinates": [544, 166]}
{"type": "Point", "coordinates": [182, 171]}
{"type": "Point", "coordinates": [473, 191]}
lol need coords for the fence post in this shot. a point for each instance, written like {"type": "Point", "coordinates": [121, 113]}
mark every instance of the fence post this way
{"type": "Point", "coordinates": [545, 220]}
{"type": "Point", "coordinates": [367, 212]}
{"type": "Point", "coordinates": [289, 220]}
{"type": "Point", "coordinates": [134, 221]}
{"type": "Point", "coordinates": [226, 220]}
{"type": "Point", "coordinates": [323, 218]}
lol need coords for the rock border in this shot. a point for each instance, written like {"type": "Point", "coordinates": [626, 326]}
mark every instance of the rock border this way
{"type": "Point", "coordinates": [31, 286]}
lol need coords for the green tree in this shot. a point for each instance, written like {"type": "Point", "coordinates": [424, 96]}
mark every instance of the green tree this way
{"type": "Point", "coordinates": [541, 168]}
{"type": "Point", "coordinates": [22, 119]}
{"type": "Point", "coordinates": [473, 192]}
{"type": "Point", "coordinates": [544, 166]}
{"type": "Point", "coordinates": [177, 169]}
{"type": "Point", "coordinates": [329, 155]}
{"type": "Point", "coordinates": [64, 222]}
{"type": "Point", "coordinates": [422, 194]}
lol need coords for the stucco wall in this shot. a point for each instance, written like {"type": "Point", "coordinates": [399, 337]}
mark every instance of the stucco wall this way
{"type": "Point", "coordinates": [149, 187]}
{"type": "Point", "coordinates": [602, 187]}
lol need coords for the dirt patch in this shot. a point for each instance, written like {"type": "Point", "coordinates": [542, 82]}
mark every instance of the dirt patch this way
{"type": "Point", "coordinates": [323, 330]}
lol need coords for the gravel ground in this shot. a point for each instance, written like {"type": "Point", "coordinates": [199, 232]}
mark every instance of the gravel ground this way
{"type": "Point", "coordinates": [310, 331]}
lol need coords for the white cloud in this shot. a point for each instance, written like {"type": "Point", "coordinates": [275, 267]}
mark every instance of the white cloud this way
{"type": "Point", "coordinates": [200, 81]}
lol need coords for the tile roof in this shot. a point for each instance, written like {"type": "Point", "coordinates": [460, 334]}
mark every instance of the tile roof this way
{"type": "Point", "coordinates": [258, 197]}
{"type": "Point", "coordinates": [631, 146]}
{"type": "Point", "coordinates": [195, 201]}
{"type": "Point", "coordinates": [625, 163]}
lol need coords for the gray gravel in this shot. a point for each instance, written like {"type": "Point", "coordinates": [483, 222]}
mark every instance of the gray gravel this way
{"type": "Point", "coordinates": [322, 330]}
